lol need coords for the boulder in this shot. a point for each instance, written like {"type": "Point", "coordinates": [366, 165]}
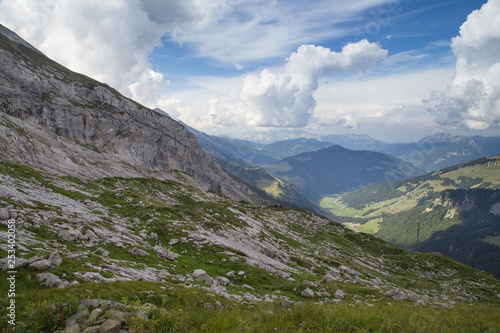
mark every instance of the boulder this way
{"type": "Point", "coordinates": [4, 214]}
{"type": "Point", "coordinates": [165, 253]}
{"type": "Point", "coordinates": [348, 270]}
{"type": "Point", "coordinates": [110, 325]}
{"type": "Point", "coordinates": [49, 279]}
{"type": "Point", "coordinates": [396, 294]}
{"type": "Point", "coordinates": [55, 259]}
{"type": "Point", "coordinates": [307, 293]}
{"type": "Point", "coordinates": [222, 281]}
{"type": "Point", "coordinates": [286, 303]}
{"type": "Point", "coordinates": [70, 235]}
{"type": "Point", "coordinates": [173, 241]}
{"type": "Point", "coordinates": [64, 284]}
{"type": "Point", "coordinates": [202, 276]}
{"type": "Point", "coordinates": [339, 294]}
{"type": "Point", "coordinates": [138, 252]}
{"type": "Point", "coordinates": [96, 313]}
{"type": "Point", "coordinates": [21, 262]}
{"type": "Point", "coordinates": [41, 264]}
{"type": "Point", "coordinates": [92, 236]}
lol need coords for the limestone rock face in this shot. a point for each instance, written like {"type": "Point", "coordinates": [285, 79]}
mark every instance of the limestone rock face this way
{"type": "Point", "coordinates": [86, 129]}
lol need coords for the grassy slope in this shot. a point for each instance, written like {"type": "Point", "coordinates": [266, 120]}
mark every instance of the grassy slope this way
{"type": "Point", "coordinates": [318, 246]}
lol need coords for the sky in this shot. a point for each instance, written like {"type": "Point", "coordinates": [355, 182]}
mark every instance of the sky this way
{"type": "Point", "coordinates": [264, 70]}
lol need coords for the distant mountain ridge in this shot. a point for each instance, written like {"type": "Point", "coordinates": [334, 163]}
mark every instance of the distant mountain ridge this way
{"type": "Point", "coordinates": [337, 169]}
{"type": "Point", "coordinates": [431, 153]}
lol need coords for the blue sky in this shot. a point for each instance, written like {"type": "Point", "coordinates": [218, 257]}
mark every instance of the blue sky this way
{"type": "Point", "coordinates": [272, 69]}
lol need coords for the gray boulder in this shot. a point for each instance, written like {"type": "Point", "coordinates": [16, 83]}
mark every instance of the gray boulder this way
{"type": "Point", "coordinates": [41, 264]}
{"type": "Point", "coordinates": [339, 294]}
{"type": "Point", "coordinates": [223, 281]}
{"type": "Point", "coordinates": [307, 293]}
{"type": "Point", "coordinates": [165, 253]}
{"type": "Point", "coordinates": [202, 276]}
{"type": "Point", "coordinates": [138, 252]}
{"type": "Point", "coordinates": [55, 259]}
{"type": "Point", "coordinates": [49, 279]}
{"type": "Point", "coordinates": [70, 235]}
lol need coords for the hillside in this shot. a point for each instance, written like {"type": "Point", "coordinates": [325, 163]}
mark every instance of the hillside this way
{"type": "Point", "coordinates": [376, 200]}
{"type": "Point", "coordinates": [462, 224]}
{"type": "Point", "coordinates": [93, 236]}
{"type": "Point", "coordinates": [393, 211]}
{"type": "Point", "coordinates": [336, 169]}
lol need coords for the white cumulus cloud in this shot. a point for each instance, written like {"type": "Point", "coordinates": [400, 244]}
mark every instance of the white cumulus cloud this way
{"type": "Point", "coordinates": [286, 99]}
{"type": "Point", "coordinates": [473, 98]}
{"type": "Point", "coordinates": [109, 40]}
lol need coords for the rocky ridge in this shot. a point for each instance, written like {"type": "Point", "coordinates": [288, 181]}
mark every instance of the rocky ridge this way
{"type": "Point", "coordinates": [67, 123]}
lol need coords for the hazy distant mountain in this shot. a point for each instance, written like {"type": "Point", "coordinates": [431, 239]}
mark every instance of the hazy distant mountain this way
{"type": "Point", "coordinates": [356, 142]}
{"type": "Point", "coordinates": [337, 169]}
{"type": "Point", "coordinates": [293, 147]}
{"type": "Point", "coordinates": [238, 152]}
{"type": "Point", "coordinates": [431, 153]}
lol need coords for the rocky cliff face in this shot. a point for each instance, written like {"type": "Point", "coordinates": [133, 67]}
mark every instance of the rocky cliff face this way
{"type": "Point", "coordinates": [65, 122]}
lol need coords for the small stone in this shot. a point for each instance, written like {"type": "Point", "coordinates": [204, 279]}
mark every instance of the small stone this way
{"type": "Point", "coordinates": [248, 287]}
{"type": "Point", "coordinates": [138, 252]}
{"type": "Point", "coordinates": [285, 303]}
{"type": "Point", "coordinates": [230, 274]}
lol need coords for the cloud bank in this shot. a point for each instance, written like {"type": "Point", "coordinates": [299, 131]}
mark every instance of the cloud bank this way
{"type": "Point", "coordinates": [473, 97]}
{"type": "Point", "coordinates": [286, 99]}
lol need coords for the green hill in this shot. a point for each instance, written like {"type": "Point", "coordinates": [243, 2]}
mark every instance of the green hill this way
{"type": "Point", "coordinates": [451, 211]}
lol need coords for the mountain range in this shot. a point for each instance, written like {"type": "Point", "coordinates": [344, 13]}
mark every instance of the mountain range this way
{"type": "Point", "coordinates": [336, 169]}
{"type": "Point", "coordinates": [122, 221]}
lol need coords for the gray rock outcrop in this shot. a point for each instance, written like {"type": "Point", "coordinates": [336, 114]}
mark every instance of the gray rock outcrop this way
{"type": "Point", "coordinates": [86, 129]}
